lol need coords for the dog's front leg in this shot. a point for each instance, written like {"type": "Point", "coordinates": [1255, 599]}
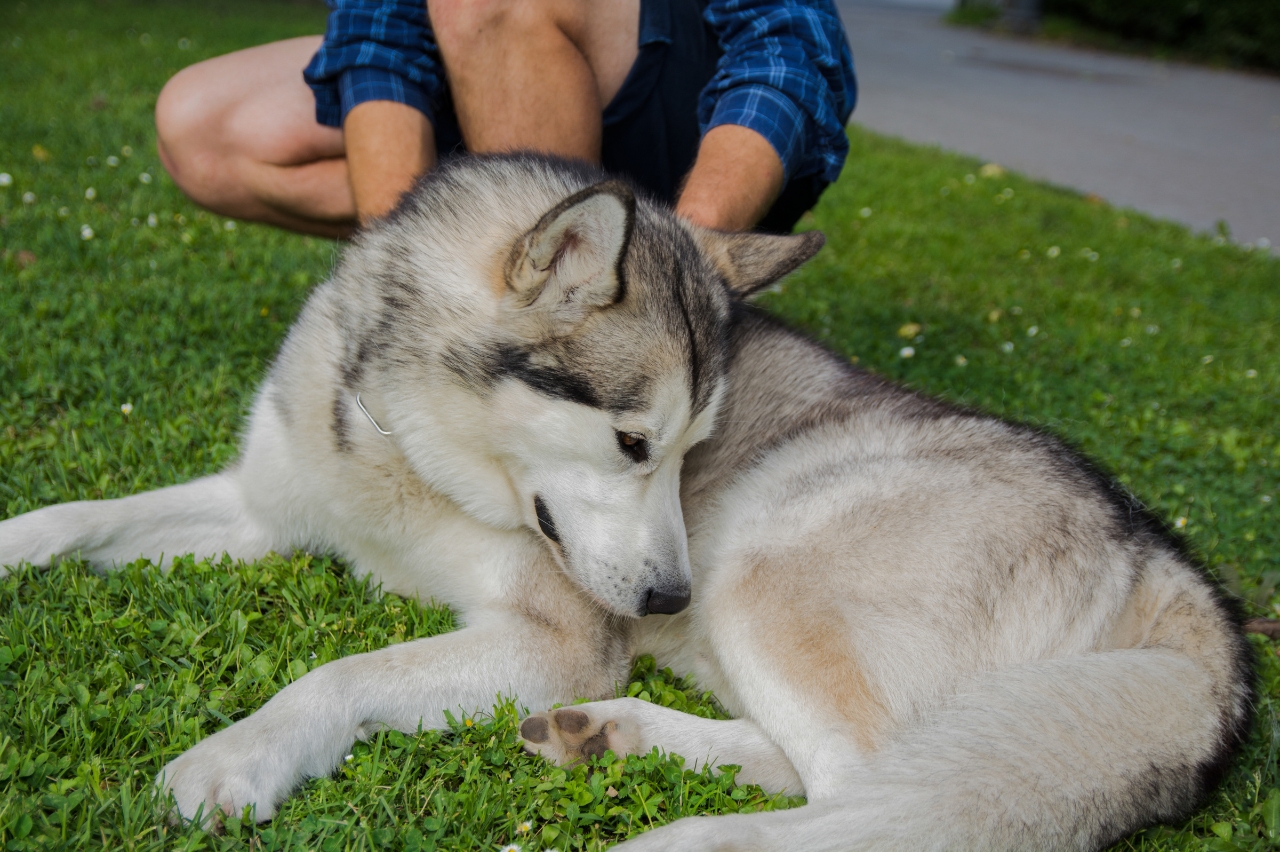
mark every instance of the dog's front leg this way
{"type": "Point", "coordinates": [306, 729]}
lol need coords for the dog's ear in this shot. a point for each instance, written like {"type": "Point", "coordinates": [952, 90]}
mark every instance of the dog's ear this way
{"type": "Point", "coordinates": [750, 262]}
{"type": "Point", "coordinates": [570, 263]}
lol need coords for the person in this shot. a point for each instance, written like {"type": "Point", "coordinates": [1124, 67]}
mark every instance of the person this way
{"type": "Point", "coordinates": [734, 110]}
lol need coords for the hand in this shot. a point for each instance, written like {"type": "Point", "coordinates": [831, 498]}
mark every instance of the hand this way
{"type": "Point", "coordinates": [734, 180]}
{"type": "Point", "coordinates": [388, 146]}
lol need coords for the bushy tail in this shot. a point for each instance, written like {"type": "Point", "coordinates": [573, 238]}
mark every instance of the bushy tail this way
{"type": "Point", "coordinates": [1066, 754]}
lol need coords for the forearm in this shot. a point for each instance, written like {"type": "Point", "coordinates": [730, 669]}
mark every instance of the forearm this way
{"type": "Point", "coordinates": [388, 146]}
{"type": "Point", "coordinates": [734, 181]}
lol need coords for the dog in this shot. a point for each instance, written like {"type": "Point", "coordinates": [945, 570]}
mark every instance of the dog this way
{"type": "Point", "coordinates": [546, 402]}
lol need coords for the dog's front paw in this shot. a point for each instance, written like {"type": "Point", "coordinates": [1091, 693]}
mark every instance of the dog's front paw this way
{"type": "Point", "coordinates": [222, 775]}
{"type": "Point", "coordinates": [570, 735]}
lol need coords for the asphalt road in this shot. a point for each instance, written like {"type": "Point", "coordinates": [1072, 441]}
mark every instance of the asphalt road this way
{"type": "Point", "coordinates": [1191, 144]}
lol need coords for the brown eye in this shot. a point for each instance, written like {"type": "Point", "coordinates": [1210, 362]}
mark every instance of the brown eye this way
{"type": "Point", "coordinates": [634, 445]}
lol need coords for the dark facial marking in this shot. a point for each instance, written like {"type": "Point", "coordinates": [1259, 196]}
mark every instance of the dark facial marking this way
{"type": "Point", "coordinates": [694, 366]}
{"type": "Point", "coordinates": [545, 523]}
{"type": "Point", "coordinates": [341, 429]}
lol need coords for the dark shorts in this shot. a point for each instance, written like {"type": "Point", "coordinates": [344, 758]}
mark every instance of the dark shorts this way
{"type": "Point", "coordinates": [651, 131]}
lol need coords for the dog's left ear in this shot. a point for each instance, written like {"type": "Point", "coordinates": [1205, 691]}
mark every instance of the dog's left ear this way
{"type": "Point", "coordinates": [750, 262]}
{"type": "Point", "coordinates": [570, 263]}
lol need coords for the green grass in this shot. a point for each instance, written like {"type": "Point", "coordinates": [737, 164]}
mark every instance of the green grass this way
{"type": "Point", "coordinates": [1155, 351]}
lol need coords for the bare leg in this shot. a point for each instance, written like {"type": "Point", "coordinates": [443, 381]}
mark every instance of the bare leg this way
{"type": "Point", "coordinates": [535, 75]}
{"type": "Point", "coordinates": [238, 134]}
{"type": "Point", "coordinates": [632, 726]}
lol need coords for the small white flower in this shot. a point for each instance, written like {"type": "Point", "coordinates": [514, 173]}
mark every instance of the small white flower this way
{"type": "Point", "coordinates": [970, 179]}
{"type": "Point", "coordinates": [1007, 346]}
{"type": "Point", "coordinates": [1053, 251]}
{"type": "Point", "coordinates": [152, 220]}
{"type": "Point", "coordinates": [961, 360]}
{"type": "Point", "coordinates": [1251, 374]}
{"type": "Point", "coordinates": [138, 687]}
{"type": "Point", "coordinates": [90, 194]}
{"type": "Point", "coordinates": [1265, 498]}
{"type": "Point", "coordinates": [1135, 312]}
{"type": "Point", "coordinates": [349, 758]}
{"type": "Point", "coordinates": [1016, 310]}
{"type": "Point", "coordinates": [229, 225]}
{"type": "Point", "coordinates": [28, 198]}
{"type": "Point", "coordinates": [113, 161]}
{"type": "Point", "coordinates": [991, 170]}
{"type": "Point", "coordinates": [907, 352]}
{"type": "Point", "coordinates": [1033, 331]}
{"type": "Point", "coordinates": [145, 177]}
{"type": "Point", "coordinates": [1093, 256]}
{"type": "Point", "coordinates": [1126, 342]}
{"type": "Point", "coordinates": [126, 151]}
{"type": "Point", "coordinates": [86, 233]}
{"type": "Point", "coordinates": [6, 179]}
{"type": "Point", "coordinates": [865, 212]}
{"type": "Point", "coordinates": [152, 264]}
{"type": "Point", "coordinates": [1180, 523]}
{"type": "Point", "coordinates": [1153, 329]}
{"type": "Point", "coordinates": [1175, 264]}
{"type": "Point", "coordinates": [126, 409]}
{"type": "Point", "coordinates": [1263, 243]}
{"type": "Point", "coordinates": [1208, 359]}
{"type": "Point", "coordinates": [510, 847]}
{"type": "Point", "coordinates": [524, 827]}
{"type": "Point", "coordinates": [64, 211]}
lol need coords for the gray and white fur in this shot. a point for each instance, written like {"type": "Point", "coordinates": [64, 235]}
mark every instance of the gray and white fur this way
{"type": "Point", "coordinates": [536, 398]}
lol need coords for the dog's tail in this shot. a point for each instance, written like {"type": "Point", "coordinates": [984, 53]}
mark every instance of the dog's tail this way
{"type": "Point", "coordinates": [1065, 754]}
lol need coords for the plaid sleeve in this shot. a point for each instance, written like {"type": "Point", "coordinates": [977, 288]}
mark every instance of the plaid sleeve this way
{"type": "Point", "coordinates": [375, 50]}
{"type": "Point", "coordinates": [787, 74]}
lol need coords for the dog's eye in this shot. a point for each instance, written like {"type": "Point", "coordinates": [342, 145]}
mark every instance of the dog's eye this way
{"type": "Point", "coordinates": [634, 445]}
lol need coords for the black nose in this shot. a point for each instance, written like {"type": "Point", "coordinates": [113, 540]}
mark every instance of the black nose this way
{"type": "Point", "coordinates": [667, 603]}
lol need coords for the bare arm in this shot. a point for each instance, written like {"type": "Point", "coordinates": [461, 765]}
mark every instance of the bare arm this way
{"type": "Point", "coordinates": [734, 180]}
{"type": "Point", "coordinates": [388, 145]}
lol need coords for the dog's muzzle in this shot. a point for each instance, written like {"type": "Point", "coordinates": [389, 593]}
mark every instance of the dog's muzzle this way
{"type": "Point", "coordinates": [666, 603]}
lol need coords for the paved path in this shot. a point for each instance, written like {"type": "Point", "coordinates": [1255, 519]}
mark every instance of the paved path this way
{"type": "Point", "coordinates": [1190, 144]}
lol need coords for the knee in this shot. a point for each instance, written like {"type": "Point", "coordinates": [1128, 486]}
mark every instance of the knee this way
{"type": "Point", "coordinates": [457, 23]}
{"type": "Point", "coordinates": [186, 127]}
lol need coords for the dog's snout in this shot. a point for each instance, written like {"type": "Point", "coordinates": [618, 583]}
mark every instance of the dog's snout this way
{"type": "Point", "coordinates": [667, 602]}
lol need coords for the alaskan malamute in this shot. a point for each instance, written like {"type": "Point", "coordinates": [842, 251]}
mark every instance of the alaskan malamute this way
{"type": "Point", "coordinates": [543, 401]}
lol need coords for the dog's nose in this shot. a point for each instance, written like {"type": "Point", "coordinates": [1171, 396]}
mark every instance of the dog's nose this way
{"type": "Point", "coordinates": [667, 603]}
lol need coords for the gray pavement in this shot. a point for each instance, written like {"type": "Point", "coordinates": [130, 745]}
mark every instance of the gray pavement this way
{"type": "Point", "coordinates": [1191, 144]}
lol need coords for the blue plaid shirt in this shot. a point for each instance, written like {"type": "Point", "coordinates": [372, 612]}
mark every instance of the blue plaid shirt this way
{"type": "Point", "coordinates": [786, 72]}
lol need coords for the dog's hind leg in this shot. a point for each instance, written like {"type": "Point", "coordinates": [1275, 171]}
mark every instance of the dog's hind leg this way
{"type": "Point", "coordinates": [631, 726]}
{"type": "Point", "coordinates": [206, 517]}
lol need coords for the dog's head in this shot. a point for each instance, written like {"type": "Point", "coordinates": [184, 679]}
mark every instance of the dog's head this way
{"type": "Point", "coordinates": [602, 361]}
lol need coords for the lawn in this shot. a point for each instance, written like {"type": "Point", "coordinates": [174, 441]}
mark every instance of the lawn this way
{"type": "Point", "coordinates": [135, 328]}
